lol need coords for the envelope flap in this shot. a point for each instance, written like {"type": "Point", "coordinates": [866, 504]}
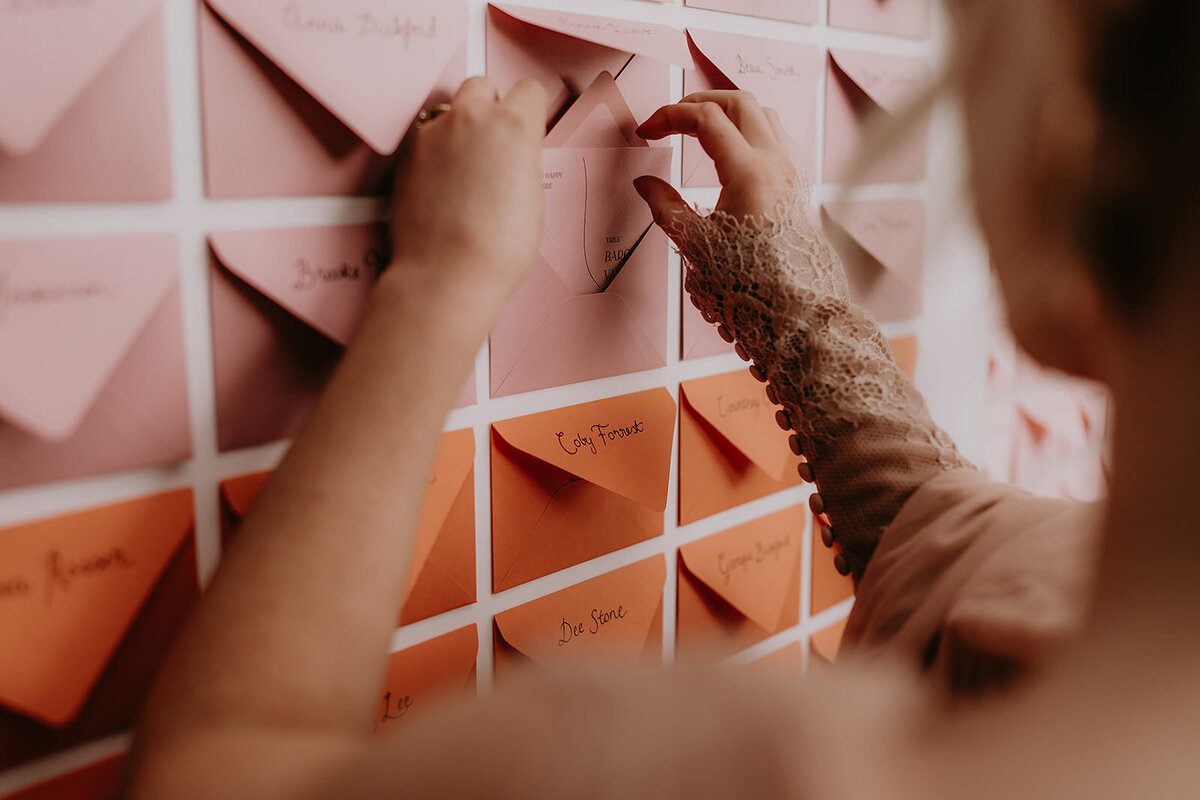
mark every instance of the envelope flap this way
{"type": "Point", "coordinates": [889, 81]}
{"type": "Point", "coordinates": [71, 588]}
{"type": "Point", "coordinates": [752, 565]}
{"type": "Point", "coordinates": [599, 118]}
{"type": "Point", "coordinates": [69, 312]}
{"type": "Point", "coordinates": [602, 619]}
{"type": "Point", "coordinates": [1057, 412]}
{"type": "Point", "coordinates": [622, 444]}
{"type": "Point", "coordinates": [659, 42]}
{"type": "Point", "coordinates": [454, 462]}
{"type": "Point", "coordinates": [372, 63]}
{"type": "Point", "coordinates": [238, 494]}
{"type": "Point", "coordinates": [50, 53]}
{"type": "Point", "coordinates": [444, 663]}
{"type": "Point", "coordinates": [321, 276]}
{"type": "Point", "coordinates": [737, 407]}
{"type": "Point", "coordinates": [891, 231]}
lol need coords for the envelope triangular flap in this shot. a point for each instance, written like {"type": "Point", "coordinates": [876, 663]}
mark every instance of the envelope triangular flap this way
{"type": "Point", "coordinates": [599, 118]}
{"type": "Point", "coordinates": [360, 62]}
{"type": "Point", "coordinates": [891, 231]}
{"type": "Point", "coordinates": [659, 42]}
{"type": "Point", "coordinates": [631, 437]}
{"type": "Point", "coordinates": [735, 405]}
{"type": "Point", "coordinates": [454, 462]}
{"type": "Point", "coordinates": [76, 585]}
{"type": "Point", "coordinates": [889, 81]}
{"type": "Point", "coordinates": [536, 628]}
{"type": "Point", "coordinates": [323, 276]}
{"type": "Point", "coordinates": [50, 53]}
{"type": "Point", "coordinates": [239, 493]}
{"type": "Point", "coordinates": [70, 310]}
{"type": "Point", "coordinates": [751, 566]}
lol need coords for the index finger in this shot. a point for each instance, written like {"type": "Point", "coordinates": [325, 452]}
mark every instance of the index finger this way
{"type": "Point", "coordinates": [711, 126]}
{"type": "Point", "coordinates": [529, 100]}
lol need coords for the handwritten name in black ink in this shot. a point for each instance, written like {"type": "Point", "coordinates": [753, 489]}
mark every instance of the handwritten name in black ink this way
{"type": "Point", "coordinates": [15, 586]}
{"type": "Point", "coordinates": [62, 573]}
{"type": "Point", "coordinates": [728, 408]}
{"type": "Point", "coordinates": [605, 434]}
{"type": "Point", "coordinates": [729, 564]}
{"type": "Point", "coordinates": [394, 708]}
{"type": "Point", "coordinates": [767, 68]}
{"type": "Point", "coordinates": [600, 618]}
{"type": "Point", "coordinates": [365, 25]}
{"type": "Point", "coordinates": [310, 276]}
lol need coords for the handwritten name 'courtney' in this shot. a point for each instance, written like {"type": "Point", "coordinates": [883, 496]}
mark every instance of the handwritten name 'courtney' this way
{"type": "Point", "coordinates": [600, 618]}
{"type": "Point", "coordinates": [729, 564]}
{"type": "Point", "coordinates": [605, 434]}
{"type": "Point", "coordinates": [362, 26]}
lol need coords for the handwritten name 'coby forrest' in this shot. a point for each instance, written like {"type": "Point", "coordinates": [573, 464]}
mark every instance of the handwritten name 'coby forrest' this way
{"type": "Point", "coordinates": [606, 435]}
{"type": "Point", "coordinates": [360, 25]}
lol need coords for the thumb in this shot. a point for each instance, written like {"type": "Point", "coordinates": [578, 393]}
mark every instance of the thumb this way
{"type": "Point", "coordinates": [665, 203]}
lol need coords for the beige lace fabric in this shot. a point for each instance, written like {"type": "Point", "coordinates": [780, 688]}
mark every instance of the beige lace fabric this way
{"type": "Point", "coordinates": [778, 285]}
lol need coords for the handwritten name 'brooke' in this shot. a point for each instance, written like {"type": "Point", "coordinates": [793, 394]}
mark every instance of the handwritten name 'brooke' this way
{"type": "Point", "coordinates": [365, 25]}
{"type": "Point", "coordinates": [600, 618]}
{"type": "Point", "coordinates": [730, 564]}
{"type": "Point", "coordinates": [605, 434]}
{"type": "Point", "coordinates": [310, 276]}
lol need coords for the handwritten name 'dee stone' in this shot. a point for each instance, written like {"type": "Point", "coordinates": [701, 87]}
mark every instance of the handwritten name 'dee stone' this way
{"type": "Point", "coordinates": [569, 631]}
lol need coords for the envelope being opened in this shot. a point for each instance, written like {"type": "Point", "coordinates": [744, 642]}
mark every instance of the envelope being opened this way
{"type": "Point", "coordinates": [803, 11]}
{"type": "Point", "coordinates": [865, 89]}
{"type": "Point", "coordinates": [829, 587]}
{"type": "Point", "coordinates": [313, 97]}
{"type": "Point", "coordinates": [565, 52]}
{"type": "Point", "coordinates": [441, 575]}
{"type": "Point", "coordinates": [881, 244]}
{"type": "Point", "coordinates": [892, 17]}
{"type": "Point", "coordinates": [731, 451]}
{"type": "Point", "coordinates": [89, 605]}
{"type": "Point", "coordinates": [419, 676]}
{"type": "Point", "coordinates": [782, 75]}
{"type": "Point", "coordinates": [615, 618]}
{"type": "Point", "coordinates": [574, 483]}
{"type": "Point", "coordinates": [99, 781]}
{"type": "Point", "coordinates": [92, 354]}
{"type": "Point", "coordinates": [595, 303]}
{"type": "Point", "coordinates": [84, 116]}
{"type": "Point", "coordinates": [738, 587]}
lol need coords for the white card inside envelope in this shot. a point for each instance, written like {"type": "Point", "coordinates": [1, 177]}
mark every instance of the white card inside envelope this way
{"type": "Point", "coordinates": [594, 217]}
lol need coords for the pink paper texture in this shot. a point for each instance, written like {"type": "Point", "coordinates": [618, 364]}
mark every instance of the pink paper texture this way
{"type": "Point", "coordinates": [700, 338]}
{"type": "Point", "coordinates": [595, 303]}
{"type": "Point", "coordinates": [891, 17]}
{"type": "Point", "coordinates": [91, 347]}
{"type": "Point", "coordinates": [802, 11]}
{"type": "Point", "coordinates": [84, 115]}
{"type": "Point", "coordinates": [314, 98]}
{"type": "Point", "coordinates": [864, 89]}
{"type": "Point", "coordinates": [782, 75]}
{"type": "Point", "coordinates": [881, 244]}
{"type": "Point", "coordinates": [285, 303]}
{"type": "Point", "coordinates": [565, 52]}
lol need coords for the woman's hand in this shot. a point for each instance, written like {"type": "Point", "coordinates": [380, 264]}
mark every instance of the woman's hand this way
{"type": "Point", "coordinates": [468, 202]}
{"type": "Point", "coordinates": [744, 139]}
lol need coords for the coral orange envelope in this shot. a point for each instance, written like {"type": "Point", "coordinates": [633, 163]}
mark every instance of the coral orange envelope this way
{"type": "Point", "coordinates": [740, 586]}
{"type": "Point", "coordinates": [89, 605]}
{"type": "Point", "coordinates": [829, 587]}
{"type": "Point", "coordinates": [825, 643]}
{"type": "Point", "coordinates": [615, 618]}
{"type": "Point", "coordinates": [99, 781]}
{"type": "Point", "coordinates": [565, 52]}
{"type": "Point", "coordinates": [441, 574]}
{"type": "Point", "coordinates": [731, 451]}
{"type": "Point", "coordinates": [892, 17]}
{"type": "Point", "coordinates": [419, 676]}
{"type": "Point", "coordinates": [595, 302]}
{"type": "Point", "coordinates": [285, 303]}
{"type": "Point", "coordinates": [882, 248]}
{"type": "Point", "coordinates": [785, 76]}
{"type": "Point", "coordinates": [574, 483]}
{"type": "Point", "coordinates": [802, 11]}
{"type": "Point", "coordinates": [91, 347]}
{"type": "Point", "coordinates": [905, 351]}
{"type": "Point", "coordinates": [313, 98]}
{"type": "Point", "coordinates": [860, 89]}
{"type": "Point", "coordinates": [84, 116]}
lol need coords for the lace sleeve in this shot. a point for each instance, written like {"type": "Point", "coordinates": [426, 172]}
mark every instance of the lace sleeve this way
{"type": "Point", "coordinates": [779, 287]}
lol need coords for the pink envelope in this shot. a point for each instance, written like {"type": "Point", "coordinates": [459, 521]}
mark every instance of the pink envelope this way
{"type": "Point", "coordinates": [599, 118]}
{"type": "Point", "coordinates": [862, 87]}
{"type": "Point", "coordinates": [882, 248]}
{"type": "Point", "coordinates": [802, 11]}
{"type": "Point", "coordinates": [91, 350]}
{"type": "Point", "coordinates": [285, 303]}
{"type": "Point", "coordinates": [84, 111]}
{"type": "Point", "coordinates": [595, 303]}
{"type": "Point", "coordinates": [700, 338]}
{"type": "Point", "coordinates": [892, 17]}
{"type": "Point", "coordinates": [783, 75]}
{"type": "Point", "coordinates": [313, 98]}
{"type": "Point", "coordinates": [565, 52]}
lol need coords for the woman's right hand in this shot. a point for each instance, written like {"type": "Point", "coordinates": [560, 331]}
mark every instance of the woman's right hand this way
{"type": "Point", "coordinates": [745, 140]}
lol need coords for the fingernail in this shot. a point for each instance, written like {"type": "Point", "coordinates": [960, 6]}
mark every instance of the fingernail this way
{"type": "Point", "coordinates": [642, 185]}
